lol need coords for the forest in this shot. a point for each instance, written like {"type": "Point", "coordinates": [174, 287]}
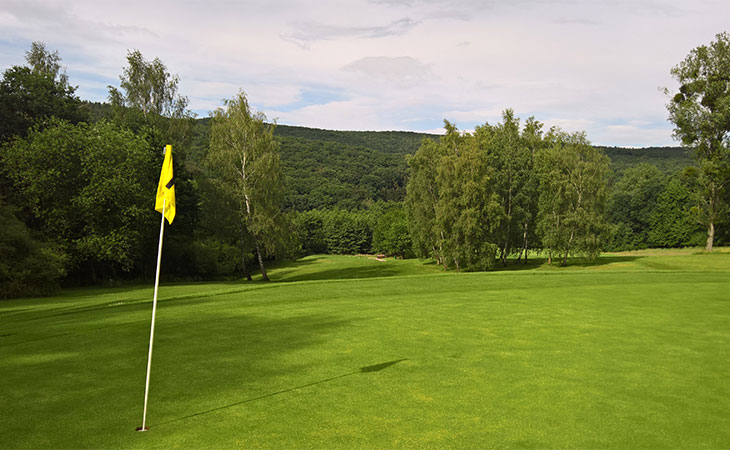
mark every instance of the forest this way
{"type": "Point", "coordinates": [77, 183]}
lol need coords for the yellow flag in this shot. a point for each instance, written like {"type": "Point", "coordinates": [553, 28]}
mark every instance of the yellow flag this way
{"type": "Point", "coordinates": [166, 187]}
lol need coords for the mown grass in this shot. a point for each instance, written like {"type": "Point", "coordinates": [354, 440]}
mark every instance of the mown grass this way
{"type": "Point", "coordinates": [631, 351]}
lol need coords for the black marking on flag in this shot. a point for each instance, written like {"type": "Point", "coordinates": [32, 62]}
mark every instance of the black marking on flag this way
{"type": "Point", "coordinates": [170, 184]}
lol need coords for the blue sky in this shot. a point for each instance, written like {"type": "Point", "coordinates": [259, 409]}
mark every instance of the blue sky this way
{"type": "Point", "coordinates": [595, 66]}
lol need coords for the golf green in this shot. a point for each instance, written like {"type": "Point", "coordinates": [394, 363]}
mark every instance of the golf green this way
{"type": "Point", "coordinates": [632, 351]}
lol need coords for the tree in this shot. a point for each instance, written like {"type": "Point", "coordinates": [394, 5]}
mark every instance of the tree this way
{"type": "Point", "coordinates": [468, 212]}
{"type": "Point", "coordinates": [700, 112]}
{"type": "Point", "coordinates": [511, 157]}
{"type": "Point", "coordinates": [244, 158]}
{"type": "Point", "coordinates": [46, 62]}
{"type": "Point", "coordinates": [422, 194]}
{"type": "Point", "coordinates": [148, 98]}
{"type": "Point", "coordinates": [35, 93]}
{"type": "Point", "coordinates": [572, 199]}
{"type": "Point", "coordinates": [150, 88]}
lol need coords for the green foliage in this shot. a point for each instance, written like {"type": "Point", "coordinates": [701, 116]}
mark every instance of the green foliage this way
{"type": "Point", "coordinates": [244, 160]}
{"type": "Point", "coordinates": [333, 175]}
{"type": "Point", "coordinates": [422, 194]}
{"type": "Point", "coordinates": [35, 93]}
{"type": "Point", "coordinates": [573, 193]}
{"type": "Point", "coordinates": [148, 102]}
{"type": "Point", "coordinates": [147, 86]}
{"type": "Point", "coordinates": [309, 226]}
{"type": "Point", "coordinates": [347, 232]}
{"type": "Point", "coordinates": [201, 259]}
{"type": "Point", "coordinates": [700, 112]}
{"type": "Point", "coordinates": [511, 155]}
{"type": "Point", "coordinates": [667, 159]}
{"type": "Point", "coordinates": [394, 142]}
{"type": "Point", "coordinates": [390, 233]}
{"type": "Point", "coordinates": [41, 60]}
{"type": "Point", "coordinates": [468, 210]}
{"type": "Point", "coordinates": [633, 201]}
{"type": "Point", "coordinates": [85, 187]}
{"type": "Point", "coordinates": [27, 266]}
{"type": "Point", "coordinates": [672, 222]}
{"type": "Point", "coordinates": [470, 196]}
{"type": "Point", "coordinates": [28, 97]}
{"type": "Point", "coordinates": [335, 231]}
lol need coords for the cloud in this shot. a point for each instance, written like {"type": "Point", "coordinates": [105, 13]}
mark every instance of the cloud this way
{"type": "Point", "coordinates": [308, 32]}
{"type": "Point", "coordinates": [59, 21]}
{"type": "Point", "coordinates": [402, 70]}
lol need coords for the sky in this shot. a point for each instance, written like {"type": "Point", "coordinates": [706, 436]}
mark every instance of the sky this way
{"type": "Point", "coordinates": [593, 66]}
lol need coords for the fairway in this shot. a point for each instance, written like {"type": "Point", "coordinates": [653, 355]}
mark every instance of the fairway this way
{"type": "Point", "coordinates": [632, 351]}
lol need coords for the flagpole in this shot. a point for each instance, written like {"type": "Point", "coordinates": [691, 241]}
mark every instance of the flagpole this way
{"type": "Point", "coordinates": [152, 328]}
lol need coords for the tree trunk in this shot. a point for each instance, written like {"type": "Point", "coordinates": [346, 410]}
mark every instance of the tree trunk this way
{"type": "Point", "coordinates": [550, 257]}
{"type": "Point", "coordinates": [525, 243]}
{"type": "Point", "coordinates": [245, 269]}
{"type": "Point", "coordinates": [710, 236]}
{"type": "Point", "coordinates": [261, 263]}
{"type": "Point", "coordinates": [570, 244]}
{"type": "Point", "coordinates": [442, 260]}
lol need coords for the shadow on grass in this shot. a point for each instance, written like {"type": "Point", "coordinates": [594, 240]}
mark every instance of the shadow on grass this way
{"type": "Point", "coordinates": [347, 273]}
{"type": "Point", "coordinates": [307, 270]}
{"type": "Point", "coordinates": [535, 263]}
{"type": "Point", "coordinates": [366, 369]}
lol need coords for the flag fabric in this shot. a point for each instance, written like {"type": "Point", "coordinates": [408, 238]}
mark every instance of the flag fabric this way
{"type": "Point", "coordinates": [166, 188]}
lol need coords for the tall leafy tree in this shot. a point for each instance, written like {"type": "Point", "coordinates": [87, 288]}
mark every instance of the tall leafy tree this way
{"type": "Point", "coordinates": [700, 112]}
{"type": "Point", "coordinates": [573, 192]}
{"type": "Point", "coordinates": [510, 157]}
{"type": "Point", "coordinates": [422, 195]}
{"type": "Point", "coordinates": [468, 212]}
{"type": "Point", "coordinates": [244, 158]}
{"type": "Point", "coordinates": [149, 87]}
{"type": "Point", "coordinates": [533, 141]}
{"type": "Point", "coordinates": [148, 100]}
{"type": "Point", "coordinates": [36, 92]}
{"type": "Point", "coordinates": [43, 61]}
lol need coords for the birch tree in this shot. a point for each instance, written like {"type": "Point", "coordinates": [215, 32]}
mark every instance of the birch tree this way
{"type": "Point", "coordinates": [573, 192]}
{"type": "Point", "coordinates": [422, 194]}
{"type": "Point", "coordinates": [244, 159]}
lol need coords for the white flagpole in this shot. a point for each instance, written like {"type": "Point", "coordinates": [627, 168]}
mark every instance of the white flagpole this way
{"type": "Point", "coordinates": [152, 328]}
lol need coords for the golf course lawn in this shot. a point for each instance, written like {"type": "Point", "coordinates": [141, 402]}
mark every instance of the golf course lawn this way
{"type": "Point", "coordinates": [631, 351]}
